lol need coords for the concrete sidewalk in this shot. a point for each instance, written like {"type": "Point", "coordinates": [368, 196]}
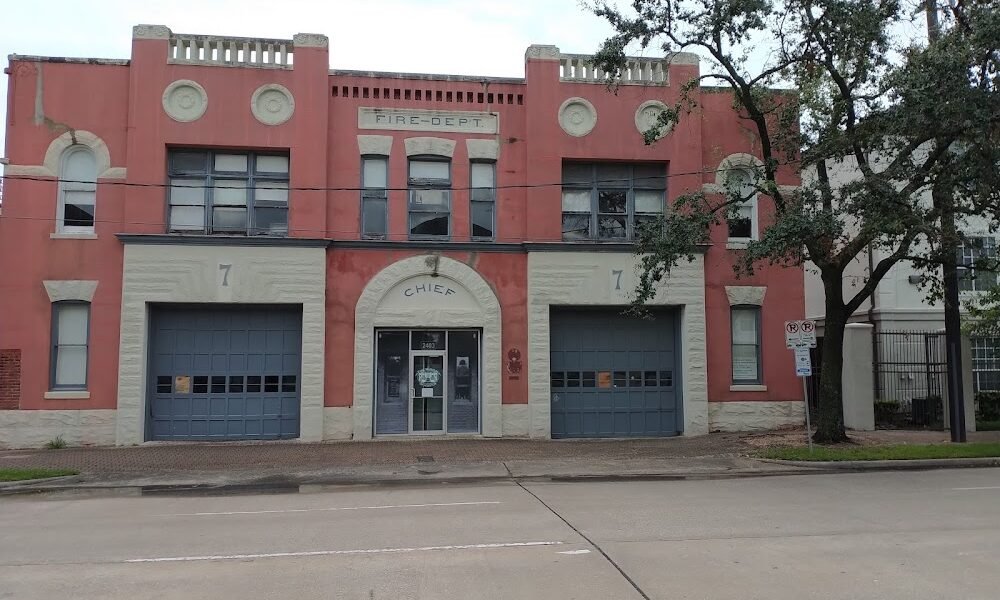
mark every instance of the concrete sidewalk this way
{"type": "Point", "coordinates": [291, 464]}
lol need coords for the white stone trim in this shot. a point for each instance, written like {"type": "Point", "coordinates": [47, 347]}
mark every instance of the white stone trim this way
{"type": "Point", "coordinates": [34, 428]}
{"type": "Point", "coordinates": [737, 244]}
{"type": "Point", "coordinates": [70, 289]}
{"type": "Point", "coordinates": [644, 123]}
{"type": "Point", "coordinates": [180, 113]}
{"type": "Point", "coordinates": [434, 146]}
{"type": "Point", "coordinates": [310, 40]}
{"type": "Point", "coordinates": [542, 52]}
{"type": "Point", "coordinates": [28, 171]}
{"type": "Point", "coordinates": [367, 317]}
{"type": "Point", "coordinates": [588, 279]}
{"type": "Point", "coordinates": [72, 236]}
{"type": "Point", "coordinates": [751, 295]}
{"type": "Point", "coordinates": [577, 116]}
{"type": "Point", "coordinates": [747, 388]}
{"type": "Point", "coordinates": [482, 149]}
{"type": "Point", "coordinates": [376, 145]}
{"type": "Point", "coordinates": [191, 274]}
{"type": "Point", "coordinates": [150, 32]}
{"type": "Point", "coordinates": [67, 395]}
{"type": "Point", "coordinates": [78, 137]}
{"type": "Point", "coordinates": [735, 161]}
{"type": "Point", "coordinates": [755, 416]}
{"type": "Point", "coordinates": [516, 420]}
{"type": "Point", "coordinates": [338, 424]}
{"type": "Point", "coordinates": [276, 108]}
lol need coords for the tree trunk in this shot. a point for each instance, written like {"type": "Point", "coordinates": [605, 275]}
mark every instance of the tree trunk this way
{"type": "Point", "coordinates": [830, 402]}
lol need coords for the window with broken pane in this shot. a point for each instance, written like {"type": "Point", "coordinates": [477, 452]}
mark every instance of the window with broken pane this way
{"type": "Point", "coordinates": [611, 201]}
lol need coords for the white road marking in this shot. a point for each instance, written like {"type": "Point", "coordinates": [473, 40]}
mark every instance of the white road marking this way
{"type": "Point", "coordinates": [339, 552]}
{"type": "Point", "coordinates": [991, 487]}
{"type": "Point", "coordinates": [304, 510]}
{"type": "Point", "coordinates": [574, 552]}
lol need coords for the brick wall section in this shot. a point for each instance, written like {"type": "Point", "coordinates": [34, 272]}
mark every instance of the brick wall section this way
{"type": "Point", "coordinates": [10, 379]}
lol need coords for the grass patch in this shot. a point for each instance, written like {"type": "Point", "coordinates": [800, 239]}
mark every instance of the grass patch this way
{"type": "Point", "coordinates": [25, 474]}
{"type": "Point", "coordinates": [893, 452]}
{"type": "Point", "coordinates": [987, 425]}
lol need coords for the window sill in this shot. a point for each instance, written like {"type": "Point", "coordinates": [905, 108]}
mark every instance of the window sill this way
{"type": "Point", "coordinates": [72, 236]}
{"type": "Point", "coordinates": [747, 388]}
{"type": "Point", "coordinates": [737, 244]}
{"type": "Point", "coordinates": [67, 395]}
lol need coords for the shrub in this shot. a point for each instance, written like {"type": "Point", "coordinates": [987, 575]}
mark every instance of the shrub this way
{"type": "Point", "coordinates": [988, 406]}
{"type": "Point", "coordinates": [57, 444]}
{"type": "Point", "coordinates": [885, 410]}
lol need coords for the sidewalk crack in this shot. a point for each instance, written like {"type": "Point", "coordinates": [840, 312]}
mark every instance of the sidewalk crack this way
{"type": "Point", "coordinates": [631, 581]}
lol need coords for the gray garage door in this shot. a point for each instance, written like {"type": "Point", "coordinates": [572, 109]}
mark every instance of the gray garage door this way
{"type": "Point", "coordinates": [224, 372]}
{"type": "Point", "coordinates": [614, 376]}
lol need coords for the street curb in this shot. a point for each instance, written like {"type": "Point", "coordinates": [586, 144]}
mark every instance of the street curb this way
{"type": "Point", "coordinates": [298, 485]}
{"type": "Point", "coordinates": [925, 464]}
{"type": "Point", "coordinates": [5, 485]}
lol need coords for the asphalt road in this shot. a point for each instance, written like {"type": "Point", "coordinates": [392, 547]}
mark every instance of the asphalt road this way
{"type": "Point", "coordinates": [914, 536]}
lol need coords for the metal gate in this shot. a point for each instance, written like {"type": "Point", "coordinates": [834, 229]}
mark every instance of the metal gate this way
{"type": "Point", "coordinates": [224, 372]}
{"type": "Point", "coordinates": [910, 379]}
{"type": "Point", "coordinates": [614, 376]}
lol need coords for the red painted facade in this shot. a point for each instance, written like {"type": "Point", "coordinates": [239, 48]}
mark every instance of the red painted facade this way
{"type": "Point", "coordinates": [120, 102]}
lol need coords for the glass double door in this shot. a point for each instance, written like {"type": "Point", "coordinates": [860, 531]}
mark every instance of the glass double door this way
{"type": "Point", "coordinates": [427, 381]}
{"type": "Point", "coordinates": [427, 392]}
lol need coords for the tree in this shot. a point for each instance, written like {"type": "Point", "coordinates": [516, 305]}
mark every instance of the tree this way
{"type": "Point", "coordinates": [901, 116]}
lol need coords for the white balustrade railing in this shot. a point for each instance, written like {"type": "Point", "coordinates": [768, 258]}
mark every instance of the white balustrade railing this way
{"type": "Point", "coordinates": [233, 51]}
{"type": "Point", "coordinates": [579, 68]}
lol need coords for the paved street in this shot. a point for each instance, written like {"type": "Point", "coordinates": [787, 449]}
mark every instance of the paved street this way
{"type": "Point", "coordinates": [914, 535]}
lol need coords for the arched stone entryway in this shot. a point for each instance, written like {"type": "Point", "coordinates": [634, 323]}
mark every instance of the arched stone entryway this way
{"type": "Point", "coordinates": [389, 300]}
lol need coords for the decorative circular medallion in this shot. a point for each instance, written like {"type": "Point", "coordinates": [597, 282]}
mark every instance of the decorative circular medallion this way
{"type": "Point", "coordinates": [648, 115]}
{"type": "Point", "coordinates": [272, 104]}
{"type": "Point", "coordinates": [184, 100]}
{"type": "Point", "coordinates": [577, 117]}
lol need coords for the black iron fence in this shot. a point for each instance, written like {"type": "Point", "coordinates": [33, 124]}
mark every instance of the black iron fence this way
{"type": "Point", "coordinates": [910, 378]}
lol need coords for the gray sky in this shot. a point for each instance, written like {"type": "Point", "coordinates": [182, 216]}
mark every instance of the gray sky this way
{"type": "Point", "coordinates": [425, 36]}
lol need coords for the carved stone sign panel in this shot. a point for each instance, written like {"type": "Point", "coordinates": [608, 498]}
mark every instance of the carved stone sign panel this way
{"type": "Point", "coordinates": [408, 119]}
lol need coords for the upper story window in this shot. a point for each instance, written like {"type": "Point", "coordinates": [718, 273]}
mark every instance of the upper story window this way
{"type": "Point", "coordinates": [374, 200]}
{"type": "Point", "coordinates": [483, 199]}
{"type": "Point", "coordinates": [610, 201]}
{"type": "Point", "coordinates": [77, 191]}
{"type": "Point", "coordinates": [977, 255]}
{"type": "Point", "coordinates": [429, 184]}
{"type": "Point", "coordinates": [228, 192]}
{"type": "Point", "coordinates": [742, 224]}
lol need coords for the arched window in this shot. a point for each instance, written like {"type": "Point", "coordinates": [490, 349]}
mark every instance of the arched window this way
{"type": "Point", "coordinates": [77, 190]}
{"type": "Point", "coordinates": [742, 224]}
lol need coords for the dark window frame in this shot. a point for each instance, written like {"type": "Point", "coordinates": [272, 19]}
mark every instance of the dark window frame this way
{"type": "Point", "coordinates": [756, 310]}
{"type": "Point", "coordinates": [596, 186]}
{"type": "Point", "coordinates": [54, 346]}
{"type": "Point", "coordinates": [427, 184]}
{"type": "Point", "coordinates": [750, 202]}
{"type": "Point", "coordinates": [972, 249]}
{"type": "Point", "coordinates": [371, 193]}
{"type": "Point", "coordinates": [492, 201]}
{"type": "Point", "coordinates": [206, 179]}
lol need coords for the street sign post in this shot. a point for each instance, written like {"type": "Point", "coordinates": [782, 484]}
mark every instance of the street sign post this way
{"type": "Point", "coordinates": [800, 336]}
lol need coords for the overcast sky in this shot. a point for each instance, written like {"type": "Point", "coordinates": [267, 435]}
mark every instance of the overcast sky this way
{"type": "Point", "coordinates": [425, 36]}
